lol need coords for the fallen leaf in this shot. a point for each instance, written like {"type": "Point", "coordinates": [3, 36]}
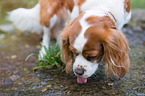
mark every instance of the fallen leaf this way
{"type": "Point", "coordinates": [110, 84]}
{"type": "Point", "coordinates": [14, 77]}
{"type": "Point", "coordinates": [103, 87]}
{"type": "Point", "coordinates": [13, 56]}
{"type": "Point", "coordinates": [113, 93]}
{"type": "Point", "coordinates": [45, 89]}
{"type": "Point", "coordinates": [38, 46]}
{"type": "Point", "coordinates": [27, 46]}
{"type": "Point", "coordinates": [135, 88]}
{"type": "Point", "coordinates": [49, 86]}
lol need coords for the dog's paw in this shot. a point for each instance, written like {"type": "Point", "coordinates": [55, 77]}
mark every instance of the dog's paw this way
{"type": "Point", "coordinates": [42, 53]}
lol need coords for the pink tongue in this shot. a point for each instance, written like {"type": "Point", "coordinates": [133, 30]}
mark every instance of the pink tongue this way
{"type": "Point", "coordinates": [81, 80]}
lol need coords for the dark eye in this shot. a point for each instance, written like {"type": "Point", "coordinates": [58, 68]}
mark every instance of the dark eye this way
{"type": "Point", "coordinates": [91, 57]}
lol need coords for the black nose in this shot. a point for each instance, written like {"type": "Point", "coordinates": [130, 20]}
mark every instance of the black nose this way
{"type": "Point", "coordinates": [79, 71]}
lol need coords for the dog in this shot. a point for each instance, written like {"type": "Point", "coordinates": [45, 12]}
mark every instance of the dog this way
{"type": "Point", "coordinates": [49, 16]}
{"type": "Point", "coordinates": [89, 32]}
{"type": "Point", "coordinates": [93, 34]}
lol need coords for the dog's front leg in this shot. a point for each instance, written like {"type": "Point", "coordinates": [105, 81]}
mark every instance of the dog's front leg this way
{"type": "Point", "coordinates": [45, 42]}
{"type": "Point", "coordinates": [46, 36]}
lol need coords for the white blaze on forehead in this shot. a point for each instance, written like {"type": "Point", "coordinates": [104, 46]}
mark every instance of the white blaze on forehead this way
{"type": "Point", "coordinates": [79, 43]}
{"type": "Point", "coordinates": [81, 40]}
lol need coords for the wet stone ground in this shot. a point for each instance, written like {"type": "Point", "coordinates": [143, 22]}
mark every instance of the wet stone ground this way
{"type": "Point", "coordinates": [18, 78]}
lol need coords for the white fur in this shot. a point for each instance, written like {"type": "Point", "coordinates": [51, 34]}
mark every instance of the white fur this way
{"type": "Point", "coordinates": [46, 36]}
{"type": "Point", "coordinates": [96, 8]}
{"type": "Point", "coordinates": [53, 21]}
{"type": "Point", "coordinates": [81, 62]}
{"type": "Point", "coordinates": [116, 7]}
{"type": "Point", "coordinates": [79, 43]}
{"type": "Point", "coordinates": [81, 40]}
{"type": "Point", "coordinates": [26, 19]}
{"type": "Point", "coordinates": [59, 25]}
{"type": "Point", "coordinates": [75, 13]}
{"type": "Point", "coordinates": [45, 42]}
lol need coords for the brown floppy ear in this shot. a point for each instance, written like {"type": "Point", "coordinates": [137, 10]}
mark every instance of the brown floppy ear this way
{"type": "Point", "coordinates": [116, 57]}
{"type": "Point", "coordinates": [67, 55]}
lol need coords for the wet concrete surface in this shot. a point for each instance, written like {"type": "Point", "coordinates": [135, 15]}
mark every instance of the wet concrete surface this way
{"type": "Point", "coordinates": [17, 77]}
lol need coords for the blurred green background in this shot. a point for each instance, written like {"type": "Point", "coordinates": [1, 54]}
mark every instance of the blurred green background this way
{"type": "Point", "coordinates": [138, 4]}
{"type": "Point", "coordinates": [8, 5]}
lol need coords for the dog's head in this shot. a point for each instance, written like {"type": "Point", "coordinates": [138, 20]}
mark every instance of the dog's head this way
{"type": "Point", "coordinates": [89, 39]}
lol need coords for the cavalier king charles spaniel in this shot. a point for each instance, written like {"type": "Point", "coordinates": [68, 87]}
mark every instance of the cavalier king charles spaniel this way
{"type": "Point", "coordinates": [94, 34]}
{"type": "Point", "coordinates": [91, 33]}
